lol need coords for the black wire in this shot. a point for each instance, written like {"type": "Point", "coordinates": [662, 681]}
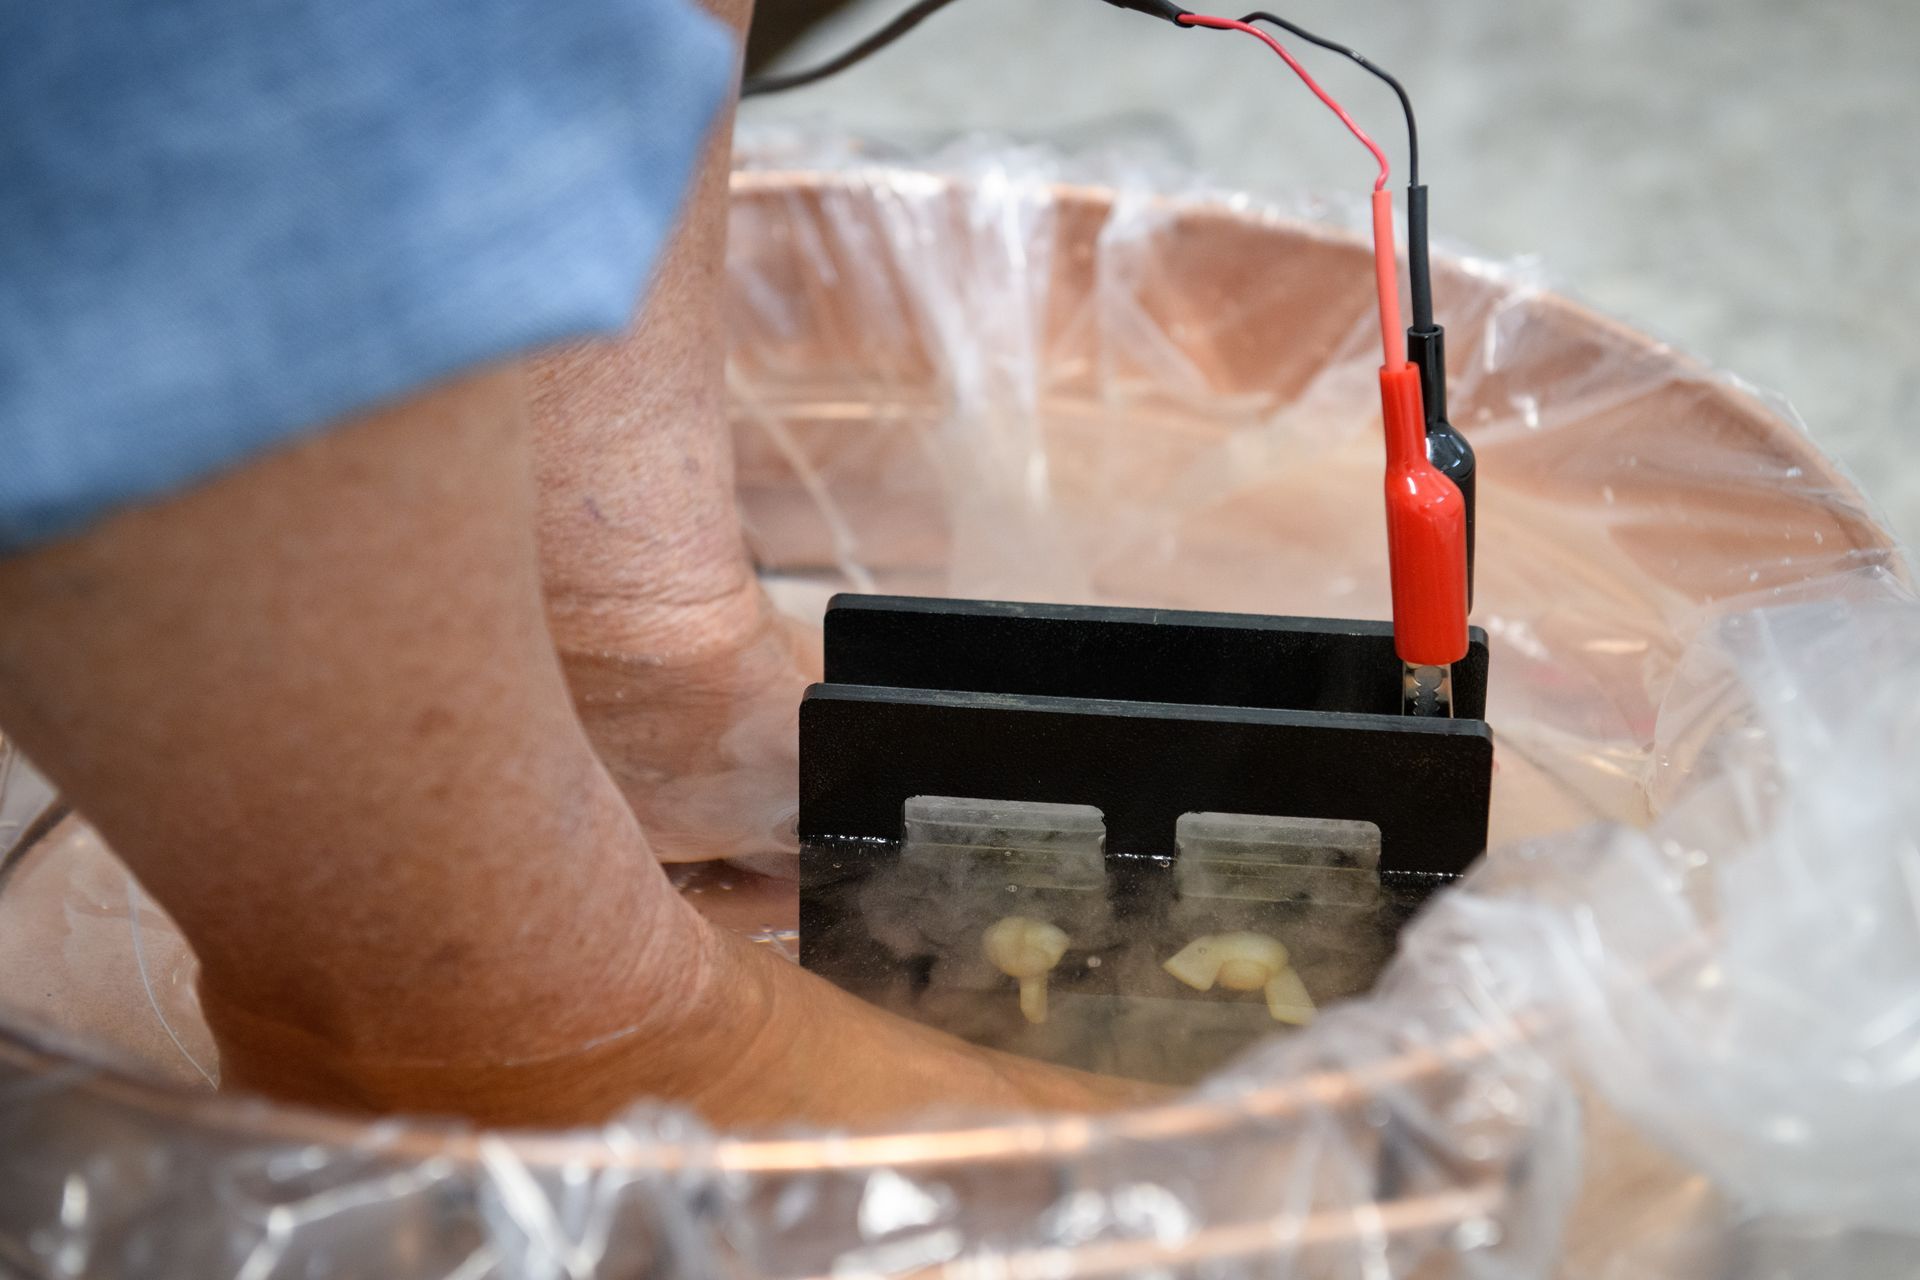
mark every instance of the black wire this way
{"type": "Point", "coordinates": [56, 812]}
{"type": "Point", "coordinates": [924, 9]}
{"type": "Point", "coordinates": [873, 44]}
{"type": "Point", "coordinates": [1421, 277]}
{"type": "Point", "coordinates": [1406, 103]}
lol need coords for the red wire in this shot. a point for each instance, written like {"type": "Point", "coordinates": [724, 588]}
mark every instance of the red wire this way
{"type": "Point", "coordinates": [1426, 520]}
{"type": "Point", "coordinates": [1385, 271]}
{"type": "Point", "coordinates": [1229, 24]}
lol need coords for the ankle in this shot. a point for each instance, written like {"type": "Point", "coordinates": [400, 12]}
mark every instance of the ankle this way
{"type": "Point", "coordinates": [458, 997]}
{"type": "Point", "coordinates": [686, 1005]}
{"type": "Point", "coordinates": [715, 611]}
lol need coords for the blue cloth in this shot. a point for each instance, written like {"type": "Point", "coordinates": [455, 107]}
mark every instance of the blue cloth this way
{"type": "Point", "coordinates": [227, 222]}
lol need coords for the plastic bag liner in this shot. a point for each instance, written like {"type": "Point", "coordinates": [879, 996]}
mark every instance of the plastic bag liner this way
{"type": "Point", "coordinates": [1671, 1027]}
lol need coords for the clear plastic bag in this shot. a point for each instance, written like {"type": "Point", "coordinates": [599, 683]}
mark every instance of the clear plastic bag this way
{"type": "Point", "coordinates": [1668, 1028]}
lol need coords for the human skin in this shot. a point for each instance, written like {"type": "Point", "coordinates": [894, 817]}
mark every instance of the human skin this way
{"type": "Point", "coordinates": [315, 705]}
{"type": "Point", "coordinates": [686, 678]}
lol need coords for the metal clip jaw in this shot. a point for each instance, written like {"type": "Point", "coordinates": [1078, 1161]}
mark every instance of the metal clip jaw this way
{"type": "Point", "coordinates": [1426, 690]}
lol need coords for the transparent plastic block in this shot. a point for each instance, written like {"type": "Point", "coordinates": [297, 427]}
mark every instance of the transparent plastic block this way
{"type": "Point", "coordinates": [1250, 857]}
{"type": "Point", "coordinates": [1039, 845]}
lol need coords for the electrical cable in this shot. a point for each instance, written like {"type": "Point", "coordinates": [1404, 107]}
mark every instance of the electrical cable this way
{"type": "Point", "coordinates": [1386, 269]}
{"type": "Point", "coordinates": [1426, 339]}
{"type": "Point", "coordinates": [1426, 529]}
{"type": "Point", "coordinates": [1419, 273]}
{"type": "Point", "coordinates": [1406, 103]}
{"type": "Point", "coordinates": [754, 86]}
{"type": "Point", "coordinates": [1426, 511]}
{"type": "Point", "coordinates": [1246, 28]}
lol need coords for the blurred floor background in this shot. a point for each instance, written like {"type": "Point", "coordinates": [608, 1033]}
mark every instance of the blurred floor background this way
{"type": "Point", "coordinates": [1736, 176]}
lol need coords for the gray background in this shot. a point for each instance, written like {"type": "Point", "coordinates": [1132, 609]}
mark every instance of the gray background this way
{"type": "Point", "coordinates": [1736, 176]}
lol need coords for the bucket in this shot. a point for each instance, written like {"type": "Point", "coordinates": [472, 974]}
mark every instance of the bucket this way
{"type": "Point", "coordinates": [989, 382]}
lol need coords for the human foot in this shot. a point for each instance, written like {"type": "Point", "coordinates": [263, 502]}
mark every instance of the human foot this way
{"type": "Point", "coordinates": [825, 1057]}
{"type": "Point", "coordinates": [746, 1039]}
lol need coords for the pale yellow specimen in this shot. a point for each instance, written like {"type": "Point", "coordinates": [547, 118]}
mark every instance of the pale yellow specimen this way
{"type": "Point", "coordinates": [1245, 962]}
{"type": "Point", "coordinates": [1026, 950]}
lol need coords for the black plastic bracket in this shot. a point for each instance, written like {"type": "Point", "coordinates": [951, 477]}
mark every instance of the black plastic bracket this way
{"type": "Point", "coordinates": [1146, 715]}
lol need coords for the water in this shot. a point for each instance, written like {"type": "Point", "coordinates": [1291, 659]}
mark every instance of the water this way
{"type": "Point", "coordinates": [901, 925]}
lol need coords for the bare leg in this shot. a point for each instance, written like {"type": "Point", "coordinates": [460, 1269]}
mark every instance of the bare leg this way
{"type": "Point", "coordinates": [314, 706]}
{"type": "Point", "coordinates": [686, 679]}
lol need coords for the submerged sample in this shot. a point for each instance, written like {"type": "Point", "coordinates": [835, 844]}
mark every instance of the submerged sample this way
{"type": "Point", "coordinates": [1011, 925]}
{"type": "Point", "coordinates": [1150, 721]}
{"type": "Point", "coordinates": [1026, 950]}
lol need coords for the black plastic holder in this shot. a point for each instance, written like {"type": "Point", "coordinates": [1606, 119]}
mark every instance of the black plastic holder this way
{"type": "Point", "coordinates": [1146, 715]}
